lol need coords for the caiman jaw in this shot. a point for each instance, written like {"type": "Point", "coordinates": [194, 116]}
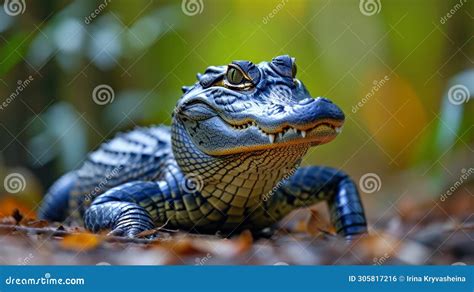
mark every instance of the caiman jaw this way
{"type": "Point", "coordinates": [319, 132]}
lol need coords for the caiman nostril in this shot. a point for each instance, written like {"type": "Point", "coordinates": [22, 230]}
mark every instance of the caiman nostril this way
{"type": "Point", "coordinates": [306, 101]}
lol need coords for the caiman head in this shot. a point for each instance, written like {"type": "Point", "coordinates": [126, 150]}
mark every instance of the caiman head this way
{"type": "Point", "coordinates": [245, 107]}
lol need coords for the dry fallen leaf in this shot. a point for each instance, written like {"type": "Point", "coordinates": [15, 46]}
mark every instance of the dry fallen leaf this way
{"type": "Point", "coordinates": [377, 245]}
{"type": "Point", "coordinates": [226, 248]}
{"type": "Point", "coordinates": [180, 246]}
{"type": "Point", "coordinates": [35, 223]}
{"type": "Point", "coordinates": [9, 204]}
{"type": "Point", "coordinates": [300, 226]}
{"type": "Point", "coordinates": [317, 224]}
{"type": "Point", "coordinates": [80, 241]}
{"type": "Point", "coordinates": [243, 242]}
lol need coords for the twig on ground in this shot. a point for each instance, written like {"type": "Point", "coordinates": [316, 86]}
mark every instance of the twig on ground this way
{"type": "Point", "coordinates": [61, 233]}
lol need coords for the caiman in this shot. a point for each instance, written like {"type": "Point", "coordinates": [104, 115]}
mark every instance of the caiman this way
{"type": "Point", "coordinates": [230, 161]}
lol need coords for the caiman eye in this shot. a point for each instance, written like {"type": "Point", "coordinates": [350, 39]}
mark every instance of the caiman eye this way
{"type": "Point", "coordinates": [234, 76]}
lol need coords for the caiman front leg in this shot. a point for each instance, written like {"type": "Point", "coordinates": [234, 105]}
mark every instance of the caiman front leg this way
{"type": "Point", "coordinates": [310, 185]}
{"type": "Point", "coordinates": [127, 209]}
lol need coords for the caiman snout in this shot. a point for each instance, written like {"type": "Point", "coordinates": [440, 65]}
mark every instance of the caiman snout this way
{"type": "Point", "coordinates": [305, 114]}
{"type": "Point", "coordinates": [317, 109]}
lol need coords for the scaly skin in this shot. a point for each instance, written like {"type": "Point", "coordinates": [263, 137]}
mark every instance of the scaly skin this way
{"type": "Point", "coordinates": [229, 162]}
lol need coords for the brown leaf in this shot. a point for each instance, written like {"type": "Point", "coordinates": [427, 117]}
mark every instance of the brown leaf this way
{"type": "Point", "coordinates": [244, 242]}
{"type": "Point", "coordinates": [377, 245]}
{"type": "Point", "coordinates": [300, 226]}
{"type": "Point", "coordinates": [179, 246]}
{"type": "Point", "coordinates": [37, 223]}
{"type": "Point", "coordinates": [316, 224]}
{"type": "Point", "coordinates": [9, 204]}
{"type": "Point", "coordinates": [226, 248]}
{"type": "Point", "coordinates": [9, 228]}
{"type": "Point", "coordinates": [80, 241]}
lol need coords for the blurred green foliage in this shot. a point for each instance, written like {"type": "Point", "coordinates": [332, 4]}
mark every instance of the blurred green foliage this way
{"type": "Point", "coordinates": [146, 50]}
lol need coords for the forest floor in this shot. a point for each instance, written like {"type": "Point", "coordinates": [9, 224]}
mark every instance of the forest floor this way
{"type": "Point", "coordinates": [416, 233]}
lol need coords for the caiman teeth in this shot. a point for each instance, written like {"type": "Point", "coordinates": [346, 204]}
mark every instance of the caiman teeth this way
{"type": "Point", "coordinates": [272, 138]}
